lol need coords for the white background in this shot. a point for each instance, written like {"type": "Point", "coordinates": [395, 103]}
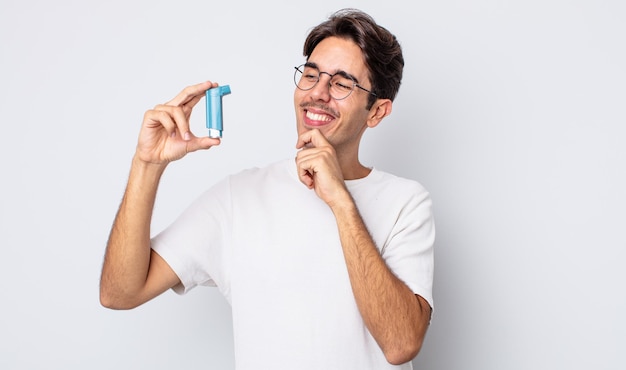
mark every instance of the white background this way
{"type": "Point", "coordinates": [512, 113]}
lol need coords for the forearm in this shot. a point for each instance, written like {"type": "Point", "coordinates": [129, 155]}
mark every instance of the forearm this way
{"type": "Point", "coordinates": [127, 257]}
{"type": "Point", "coordinates": [393, 314]}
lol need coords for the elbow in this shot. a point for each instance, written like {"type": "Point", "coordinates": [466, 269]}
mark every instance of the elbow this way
{"type": "Point", "coordinates": [114, 301]}
{"type": "Point", "coordinates": [402, 349]}
{"type": "Point", "coordinates": [403, 353]}
{"type": "Point", "coordinates": [107, 302]}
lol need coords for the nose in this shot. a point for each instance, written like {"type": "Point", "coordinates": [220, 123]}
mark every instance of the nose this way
{"type": "Point", "coordinates": [321, 90]}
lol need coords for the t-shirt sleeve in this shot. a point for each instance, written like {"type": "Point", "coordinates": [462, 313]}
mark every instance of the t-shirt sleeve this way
{"type": "Point", "coordinates": [195, 244]}
{"type": "Point", "coordinates": [409, 252]}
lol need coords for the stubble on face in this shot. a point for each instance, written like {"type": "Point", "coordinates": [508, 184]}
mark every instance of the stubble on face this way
{"type": "Point", "coordinates": [340, 121]}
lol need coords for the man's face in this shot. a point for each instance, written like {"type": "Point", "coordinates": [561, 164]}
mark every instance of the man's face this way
{"type": "Point", "coordinates": [342, 122]}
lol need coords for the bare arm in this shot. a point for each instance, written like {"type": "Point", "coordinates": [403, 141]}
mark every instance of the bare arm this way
{"type": "Point", "coordinates": [132, 273]}
{"type": "Point", "coordinates": [394, 315]}
{"type": "Point", "coordinates": [396, 318]}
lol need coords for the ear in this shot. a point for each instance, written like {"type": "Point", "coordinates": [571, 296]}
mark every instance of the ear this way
{"type": "Point", "coordinates": [380, 110]}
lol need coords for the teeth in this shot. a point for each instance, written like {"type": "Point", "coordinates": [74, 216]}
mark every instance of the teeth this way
{"type": "Point", "coordinates": [317, 117]}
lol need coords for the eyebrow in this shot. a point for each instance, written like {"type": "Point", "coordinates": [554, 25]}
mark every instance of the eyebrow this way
{"type": "Point", "coordinates": [340, 72]}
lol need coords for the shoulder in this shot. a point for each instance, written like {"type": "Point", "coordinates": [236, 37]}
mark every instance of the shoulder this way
{"type": "Point", "coordinates": [399, 186]}
{"type": "Point", "coordinates": [262, 177]}
{"type": "Point", "coordinates": [277, 168]}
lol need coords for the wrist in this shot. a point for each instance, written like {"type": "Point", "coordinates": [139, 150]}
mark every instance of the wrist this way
{"type": "Point", "coordinates": [146, 169]}
{"type": "Point", "coordinates": [343, 202]}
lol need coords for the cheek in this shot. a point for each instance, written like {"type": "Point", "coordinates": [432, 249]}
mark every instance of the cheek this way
{"type": "Point", "coordinates": [298, 96]}
{"type": "Point", "coordinates": [358, 102]}
{"type": "Point", "coordinates": [297, 99]}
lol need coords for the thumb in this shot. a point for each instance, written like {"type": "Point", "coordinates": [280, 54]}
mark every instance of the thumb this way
{"type": "Point", "coordinates": [202, 143]}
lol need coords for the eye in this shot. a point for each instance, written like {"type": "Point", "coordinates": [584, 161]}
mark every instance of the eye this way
{"type": "Point", "coordinates": [343, 84]}
{"type": "Point", "coordinates": [311, 74]}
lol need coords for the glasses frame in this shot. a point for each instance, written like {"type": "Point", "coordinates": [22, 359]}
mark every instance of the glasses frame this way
{"type": "Point", "coordinates": [354, 83]}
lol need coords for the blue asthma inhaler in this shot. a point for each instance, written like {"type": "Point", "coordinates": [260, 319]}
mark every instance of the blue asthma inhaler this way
{"type": "Point", "coordinates": [214, 119]}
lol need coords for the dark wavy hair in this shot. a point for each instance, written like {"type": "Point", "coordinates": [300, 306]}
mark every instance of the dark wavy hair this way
{"type": "Point", "coordinates": [381, 50]}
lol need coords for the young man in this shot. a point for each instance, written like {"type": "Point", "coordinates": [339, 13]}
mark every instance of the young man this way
{"type": "Point", "coordinates": [327, 263]}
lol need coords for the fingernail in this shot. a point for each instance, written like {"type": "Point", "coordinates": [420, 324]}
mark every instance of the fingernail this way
{"type": "Point", "coordinates": [187, 136]}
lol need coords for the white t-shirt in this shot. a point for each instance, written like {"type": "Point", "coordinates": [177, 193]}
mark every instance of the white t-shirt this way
{"type": "Point", "coordinates": [272, 248]}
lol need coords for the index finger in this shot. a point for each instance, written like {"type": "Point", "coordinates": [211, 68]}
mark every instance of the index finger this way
{"type": "Point", "coordinates": [191, 94]}
{"type": "Point", "coordinates": [313, 138]}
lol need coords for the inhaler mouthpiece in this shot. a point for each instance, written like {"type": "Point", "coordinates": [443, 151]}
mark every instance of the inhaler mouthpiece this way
{"type": "Point", "coordinates": [214, 110]}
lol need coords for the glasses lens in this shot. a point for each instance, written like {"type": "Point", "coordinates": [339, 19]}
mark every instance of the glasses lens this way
{"type": "Point", "coordinates": [341, 87]}
{"type": "Point", "coordinates": [306, 77]}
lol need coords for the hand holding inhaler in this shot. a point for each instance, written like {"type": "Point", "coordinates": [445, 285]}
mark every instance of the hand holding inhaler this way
{"type": "Point", "coordinates": [165, 134]}
{"type": "Point", "coordinates": [214, 118]}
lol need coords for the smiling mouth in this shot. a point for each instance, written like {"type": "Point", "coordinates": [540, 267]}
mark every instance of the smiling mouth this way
{"type": "Point", "coordinates": [317, 117]}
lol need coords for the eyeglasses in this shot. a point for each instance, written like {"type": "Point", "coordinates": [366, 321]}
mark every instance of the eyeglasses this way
{"type": "Point", "coordinates": [340, 84]}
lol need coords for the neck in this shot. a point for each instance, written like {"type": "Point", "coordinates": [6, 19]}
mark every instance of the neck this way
{"type": "Point", "coordinates": [351, 167]}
